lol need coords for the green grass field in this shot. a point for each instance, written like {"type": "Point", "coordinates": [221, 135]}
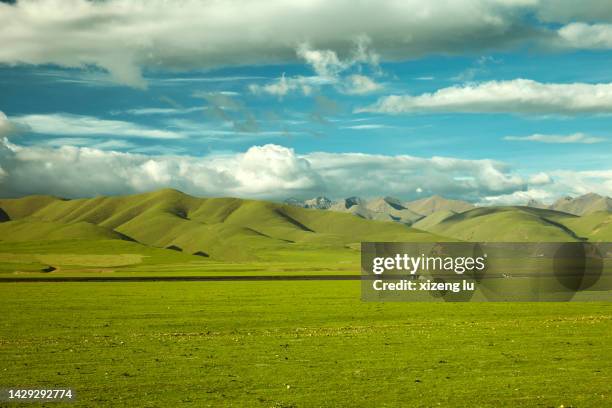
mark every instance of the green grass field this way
{"type": "Point", "coordinates": [282, 344]}
{"type": "Point", "coordinates": [275, 343]}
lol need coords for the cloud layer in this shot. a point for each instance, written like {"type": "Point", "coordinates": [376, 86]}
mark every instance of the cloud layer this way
{"type": "Point", "coordinates": [557, 139]}
{"type": "Point", "coordinates": [268, 171]}
{"type": "Point", "coordinates": [275, 172]}
{"type": "Point", "coordinates": [124, 36]}
{"type": "Point", "coordinates": [79, 125]}
{"type": "Point", "coordinates": [520, 96]}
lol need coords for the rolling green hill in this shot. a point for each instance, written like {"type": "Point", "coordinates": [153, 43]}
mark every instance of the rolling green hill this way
{"type": "Point", "coordinates": [596, 226]}
{"type": "Point", "coordinates": [430, 205]}
{"type": "Point", "coordinates": [168, 230]}
{"type": "Point", "coordinates": [433, 219]}
{"type": "Point", "coordinates": [226, 229]}
{"type": "Point", "coordinates": [510, 224]}
{"type": "Point", "coordinates": [35, 230]}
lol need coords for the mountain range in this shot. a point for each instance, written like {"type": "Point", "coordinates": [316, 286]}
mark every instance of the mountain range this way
{"type": "Point", "coordinates": [581, 205]}
{"type": "Point", "coordinates": [385, 208]}
{"type": "Point", "coordinates": [238, 230]}
{"type": "Point", "coordinates": [221, 228]}
{"type": "Point", "coordinates": [412, 212]}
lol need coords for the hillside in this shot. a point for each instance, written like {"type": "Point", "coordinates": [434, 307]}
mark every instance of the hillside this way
{"type": "Point", "coordinates": [433, 219]}
{"type": "Point", "coordinates": [584, 204]}
{"type": "Point", "coordinates": [166, 231]}
{"type": "Point", "coordinates": [596, 226]}
{"type": "Point", "coordinates": [510, 224]}
{"type": "Point", "coordinates": [380, 209]}
{"type": "Point", "coordinates": [227, 229]}
{"type": "Point", "coordinates": [385, 208]}
{"type": "Point", "coordinates": [427, 206]}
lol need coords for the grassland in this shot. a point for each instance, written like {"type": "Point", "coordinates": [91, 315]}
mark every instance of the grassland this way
{"type": "Point", "coordinates": [281, 344]}
{"type": "Point", "coordinates": [277, 344]}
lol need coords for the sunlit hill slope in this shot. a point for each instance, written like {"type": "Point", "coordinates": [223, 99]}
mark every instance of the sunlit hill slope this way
{"type": "Point", "coordinates": [220, 228]}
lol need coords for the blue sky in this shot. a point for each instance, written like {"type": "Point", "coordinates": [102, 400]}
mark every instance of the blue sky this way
{"type": "Point", "coordinates": [511, 119]}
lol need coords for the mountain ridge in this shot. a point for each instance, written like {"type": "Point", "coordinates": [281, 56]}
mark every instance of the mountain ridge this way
{"type": "Point", "coordinates": [583, 204]}
{"type": "Point", "coordinates": [385, 208]}
{"type": "Point", "coordinates": [237, 230]}
{"type": "Point", "coordinates": [225, 228]}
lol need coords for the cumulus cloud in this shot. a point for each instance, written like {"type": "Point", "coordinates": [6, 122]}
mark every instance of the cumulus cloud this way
{"type": "Point", "coordinates": [361, 84]}
{"type": "Point", "coordinates": [329, 70]}
{"type": "Point", "coordinates": [539, 179]}
{"type": "Point", "coordinates": [520, 96]}
{"type": "Point", "coordinates": [268, 171]}
{"type": "Point", "coordinates": [79, 125]}
{"type": "Point", "coordinates": [520, 197]}
{"type": "Point", "coordinates": [277, 172]}
{"type": "Point", "coordinates": [83, 171]}
{"type": "Point", "coordinates": [402, 175]}
{"type": "Point", "coordinates": [559, 139]}
{"type": "Point", "coordinates": [284, 86]}
{"type": "Point", "coordinates": [586, 36]}
{"type": "Point", "coordinates": [324, 62]}
{"type": "Point", "coordinates": [6, 127]}
{"type": "Point", "coordinates": [547, 187]}
{"type": "Point", "coordinates": [119, 35]}
{"type": "Point", "coordinates": [582, 182]}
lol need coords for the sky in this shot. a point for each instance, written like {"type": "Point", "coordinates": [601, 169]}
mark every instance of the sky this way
{"type": "Point", "coordinates": [493, 102]}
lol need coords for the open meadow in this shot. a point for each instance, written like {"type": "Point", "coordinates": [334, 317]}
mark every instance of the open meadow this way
{"type": "Point", "coordinates": [284, 344]}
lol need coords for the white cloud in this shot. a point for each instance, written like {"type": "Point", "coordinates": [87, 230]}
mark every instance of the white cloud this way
{"type": "Point", "coordinates": [582, 182]}
{"type": "Point", "coordinates": [324, 62]}
{"type": "Point", "coordinates": [368, 126]}
{"type": "Point", "coordinates": [9, 127]}
{"type": "Point", "coordinates": [83, 171]}
{"type": "Point", "coordinates": [110, 144]}
{"type": "Point", "coordinates": [539, 179]}
{"type": "Point", "coordinates": [5, 126]}
{"type": "Point", "coordinates": [586, 36]}
{"type": "Point", "coordinates": [124, 36]}
{"type": "Point", "coordinates": [277, 172]}
{"type": "Point", "coordinates": [269, 171]}
{"type": "Point", "coordinates": [520, 96]}
{"type": "Point", "coordinates": [162, 111]}
{"type": "Point", "coordinates": [329, 70]}
{"type": "Point", "coordinates": [78, 125]}
{"type": "Point", "coordinates": [547, 187]}
{"type": "Point", "coordinates": [284, 85]}
{"type": "Point", "coordinates": [520, 197]}
{"type": "Point", "coordinates": [361, 84]}
{"type": "Point", "coordinates": [402, 175]}
{"type": "Point", "coordinates": [558, 139]}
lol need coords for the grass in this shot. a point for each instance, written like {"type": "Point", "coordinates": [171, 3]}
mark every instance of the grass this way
{"type": "Point", "coordinates": [597, 226]}
{"type": "Point", "coordinates": [124, 258]}
{"type": "Point", "coordinates": [281, 344]}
